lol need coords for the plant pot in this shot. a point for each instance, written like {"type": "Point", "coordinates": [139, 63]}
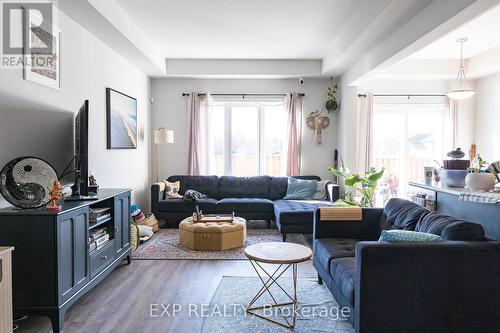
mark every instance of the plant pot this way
{"type": "Point", "coordinates": [480, 181]}
{"type": "Point", "coordinates": [331, 105]}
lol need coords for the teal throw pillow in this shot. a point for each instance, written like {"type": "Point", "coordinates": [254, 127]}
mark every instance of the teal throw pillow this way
{"type": "Point", "coordinates": [300, 189]}
{"type": "Point", "coordinates": [407, 236]}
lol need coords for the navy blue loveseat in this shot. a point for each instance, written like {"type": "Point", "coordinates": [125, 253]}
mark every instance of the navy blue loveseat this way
{"type": "Point", "coordinates": [451, 285]}
{"type": "Point", "coordinates": [255, 198]}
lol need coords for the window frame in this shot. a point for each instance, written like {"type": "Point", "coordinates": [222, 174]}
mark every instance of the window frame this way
{"type": "Point", "coordinates": [261, 123]}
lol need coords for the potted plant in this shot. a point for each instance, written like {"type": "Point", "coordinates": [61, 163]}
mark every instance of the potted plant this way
{"type": "Point", "coordinates": [355, 183]}
{"type": "Point", "coordinates": [478, 179]}
{"type": "Point", "coordinates": [331, 104]}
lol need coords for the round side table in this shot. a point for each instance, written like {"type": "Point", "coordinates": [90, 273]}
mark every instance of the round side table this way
{"type": "Point", "coordinates": [285, 255]}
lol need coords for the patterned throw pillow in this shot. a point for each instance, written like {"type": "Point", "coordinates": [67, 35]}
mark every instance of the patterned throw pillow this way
{"type": "Point", "coordinates": [407, 236]}
{"type": "Point", "coordinates": [172, 190]}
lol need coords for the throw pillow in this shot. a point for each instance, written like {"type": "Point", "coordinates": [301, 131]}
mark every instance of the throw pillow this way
{"type": "Point", "coordinates": [172, 190]}
{"type": "Point", "coordinates": [320, 192]}
{"type": "Point", "coordinates": [300, 189]}
{"type": "Point", "coordinates": [407, 236]}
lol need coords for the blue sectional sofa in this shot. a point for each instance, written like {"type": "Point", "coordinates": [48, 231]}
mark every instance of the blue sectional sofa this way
{"type": "Point", "coordinates": [451, 285]}
{"type": "Point", "coordinates": [256, 198]}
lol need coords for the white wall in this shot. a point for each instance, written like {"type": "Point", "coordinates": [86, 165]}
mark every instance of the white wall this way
{"type": "Point", "coordinates": [169, 111]}
{"type": "Point", "coordinates": [38, 121]}
{"type": "Point", "coordinates": [487, 129]}
{"type": "Point", "coordinates": [348, 115]}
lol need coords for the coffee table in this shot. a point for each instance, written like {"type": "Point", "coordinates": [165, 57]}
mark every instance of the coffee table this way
{"type": "Point", "coordinates": [285, 255]}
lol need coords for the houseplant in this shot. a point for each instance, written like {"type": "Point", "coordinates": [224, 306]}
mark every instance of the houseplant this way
{"type": "Point", "coordinates": [355, 183]}
{"type": "Point", "coordinates": [477, 179]}
{"type": "Point", "coordinates": [331, 104]}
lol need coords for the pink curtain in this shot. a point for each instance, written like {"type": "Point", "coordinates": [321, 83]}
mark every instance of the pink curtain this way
{"type": "Point", "coordinates": [293, 106]}
{"type": "Point", "coordinates": [197, 113]}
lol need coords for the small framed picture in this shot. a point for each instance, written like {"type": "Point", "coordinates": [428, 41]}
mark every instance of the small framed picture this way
{"type": "Point", "coordinates": [42, 63]}
{"type": "Point", "coordinates": [121, 112]}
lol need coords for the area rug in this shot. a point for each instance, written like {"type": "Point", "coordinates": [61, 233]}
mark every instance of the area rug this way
{"type": "Point", "coordinates": [317, 309]}
{"type": "Point", "coordinates": [165, 245]}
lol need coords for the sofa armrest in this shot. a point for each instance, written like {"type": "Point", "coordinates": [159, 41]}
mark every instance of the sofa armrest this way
{"type": "Point", "coordinates": [332, 192]}
{"type": "Point", "coordinates": [367, 228]}
{"type": "Point", "coordinates": [439, 286]}
{"type": "Point", "coordinates": [157, 190]}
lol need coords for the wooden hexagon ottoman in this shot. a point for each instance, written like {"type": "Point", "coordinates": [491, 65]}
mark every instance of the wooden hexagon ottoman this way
{"type": "Point", "coordinates": [213, 236]}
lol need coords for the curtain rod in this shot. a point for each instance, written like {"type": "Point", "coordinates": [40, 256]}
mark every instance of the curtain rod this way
{"type": "Point", "coordinates": [403, 95]}
{"type": "Point", "coordinates": [243, 95]}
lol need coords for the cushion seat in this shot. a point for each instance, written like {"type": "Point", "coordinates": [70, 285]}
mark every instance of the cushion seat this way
{"type": "Point", "coordinates": [178, 205]}
{"type": "Point", "coordinates": [328, 249]}
{"type": "Point", "coordinates": [297, 212]}
{"type": "Point", "coordinates": [343, 271]}
{"type": "Point", "coordinates": [245, 205]}
{"type": "Point", "coordinates": [212, 236]}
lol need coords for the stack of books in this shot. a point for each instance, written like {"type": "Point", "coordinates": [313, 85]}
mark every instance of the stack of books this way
{"type": "Point", "coordinates": [98, 238]}
{"type": "Point", "coordinates": [99, 214]}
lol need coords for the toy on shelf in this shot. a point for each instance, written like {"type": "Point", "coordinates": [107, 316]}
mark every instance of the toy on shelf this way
{"type": "Point", "coordinates": [55, 193]}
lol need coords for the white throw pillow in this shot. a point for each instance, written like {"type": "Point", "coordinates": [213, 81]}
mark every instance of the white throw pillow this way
{"type": "Point", "coordinates": [320, 192]}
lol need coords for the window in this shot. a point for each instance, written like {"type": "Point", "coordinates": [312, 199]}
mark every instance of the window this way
{"type": "Point", "coordinates": [408, 137]}
{"type": "Point", "coordinates": [247, 138]}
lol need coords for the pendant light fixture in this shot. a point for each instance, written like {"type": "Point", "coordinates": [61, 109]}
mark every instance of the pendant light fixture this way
{"type": "Point", "coordinates": [462, 90]}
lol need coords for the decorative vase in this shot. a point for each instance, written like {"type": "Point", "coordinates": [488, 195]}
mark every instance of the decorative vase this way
{"type": "Point", "coordinates": [453, 178]}
{"type": "Point", "coordinates": [480, 181]}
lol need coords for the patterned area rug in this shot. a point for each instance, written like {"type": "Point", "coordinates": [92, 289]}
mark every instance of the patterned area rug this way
{"type": "Point", "coordinates": [165, 245]}
{"type": "Point", "coordinates": [317, 309]}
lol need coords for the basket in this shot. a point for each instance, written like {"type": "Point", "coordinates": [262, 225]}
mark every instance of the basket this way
{"type": "Point", "coordinates": [150, 221]}
{"type": "Point", "coordinates": [134, 236]}
{"type": "Point", "coordinates": [456, 164]}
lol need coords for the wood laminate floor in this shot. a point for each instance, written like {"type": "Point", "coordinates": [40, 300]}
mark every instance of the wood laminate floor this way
{"type": "Point", "coordinates": [122, 302]}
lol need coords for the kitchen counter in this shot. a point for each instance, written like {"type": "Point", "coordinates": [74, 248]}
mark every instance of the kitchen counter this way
{"type": "Point", "coordinates": [479, 207]}
{"type": "Point", "coordinates": [462, 193]}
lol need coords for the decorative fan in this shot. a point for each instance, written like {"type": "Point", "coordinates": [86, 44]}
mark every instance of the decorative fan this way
{"type": "Point", "coordinates": [25, 182]}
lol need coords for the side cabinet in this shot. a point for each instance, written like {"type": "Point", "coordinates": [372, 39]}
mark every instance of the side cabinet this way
{"type": "Point", "coordinates": [52, 266]}
{"type": "Point", "coordinates": [72, 254]}
{"type": "Point", "coordinates": [122, 223]}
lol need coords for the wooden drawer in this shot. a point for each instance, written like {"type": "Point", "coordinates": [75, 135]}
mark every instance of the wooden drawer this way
{"type": "Point", "coordinates": [100, 259]}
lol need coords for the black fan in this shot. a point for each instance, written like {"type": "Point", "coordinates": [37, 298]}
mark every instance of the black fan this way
{"type": "Point", "coordinates": [25, 182]}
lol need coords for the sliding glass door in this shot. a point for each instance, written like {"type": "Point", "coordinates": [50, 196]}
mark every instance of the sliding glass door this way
{"type": "Point", "coordinates": [407, 138]}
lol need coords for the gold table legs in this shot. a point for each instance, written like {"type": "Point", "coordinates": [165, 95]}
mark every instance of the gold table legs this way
{"type": "Point", "coordinates": [272, 279]}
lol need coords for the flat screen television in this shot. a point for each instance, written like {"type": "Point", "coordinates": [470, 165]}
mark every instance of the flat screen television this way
{"type": "Point", "coordinates": [80, 188]}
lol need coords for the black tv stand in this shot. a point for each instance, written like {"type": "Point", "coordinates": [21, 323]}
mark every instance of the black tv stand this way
{"type": "Point", "coordinates": [81, 198]}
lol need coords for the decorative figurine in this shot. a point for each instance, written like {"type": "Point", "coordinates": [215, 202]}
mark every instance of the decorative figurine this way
{"type": "Point", "coordinates": [436, 176]}
{"type": "Point", "coordinates": [198, 214]}
{"type": "Point", "coordinates": [93, 186]}
{"type": "Point", "coordinates": [56, 192]}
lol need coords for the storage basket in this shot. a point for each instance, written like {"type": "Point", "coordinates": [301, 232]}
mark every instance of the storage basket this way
{"type": "Point", "coordinates": [134, 236]}
{"type": "Point", "coordinates": [150, 221]}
